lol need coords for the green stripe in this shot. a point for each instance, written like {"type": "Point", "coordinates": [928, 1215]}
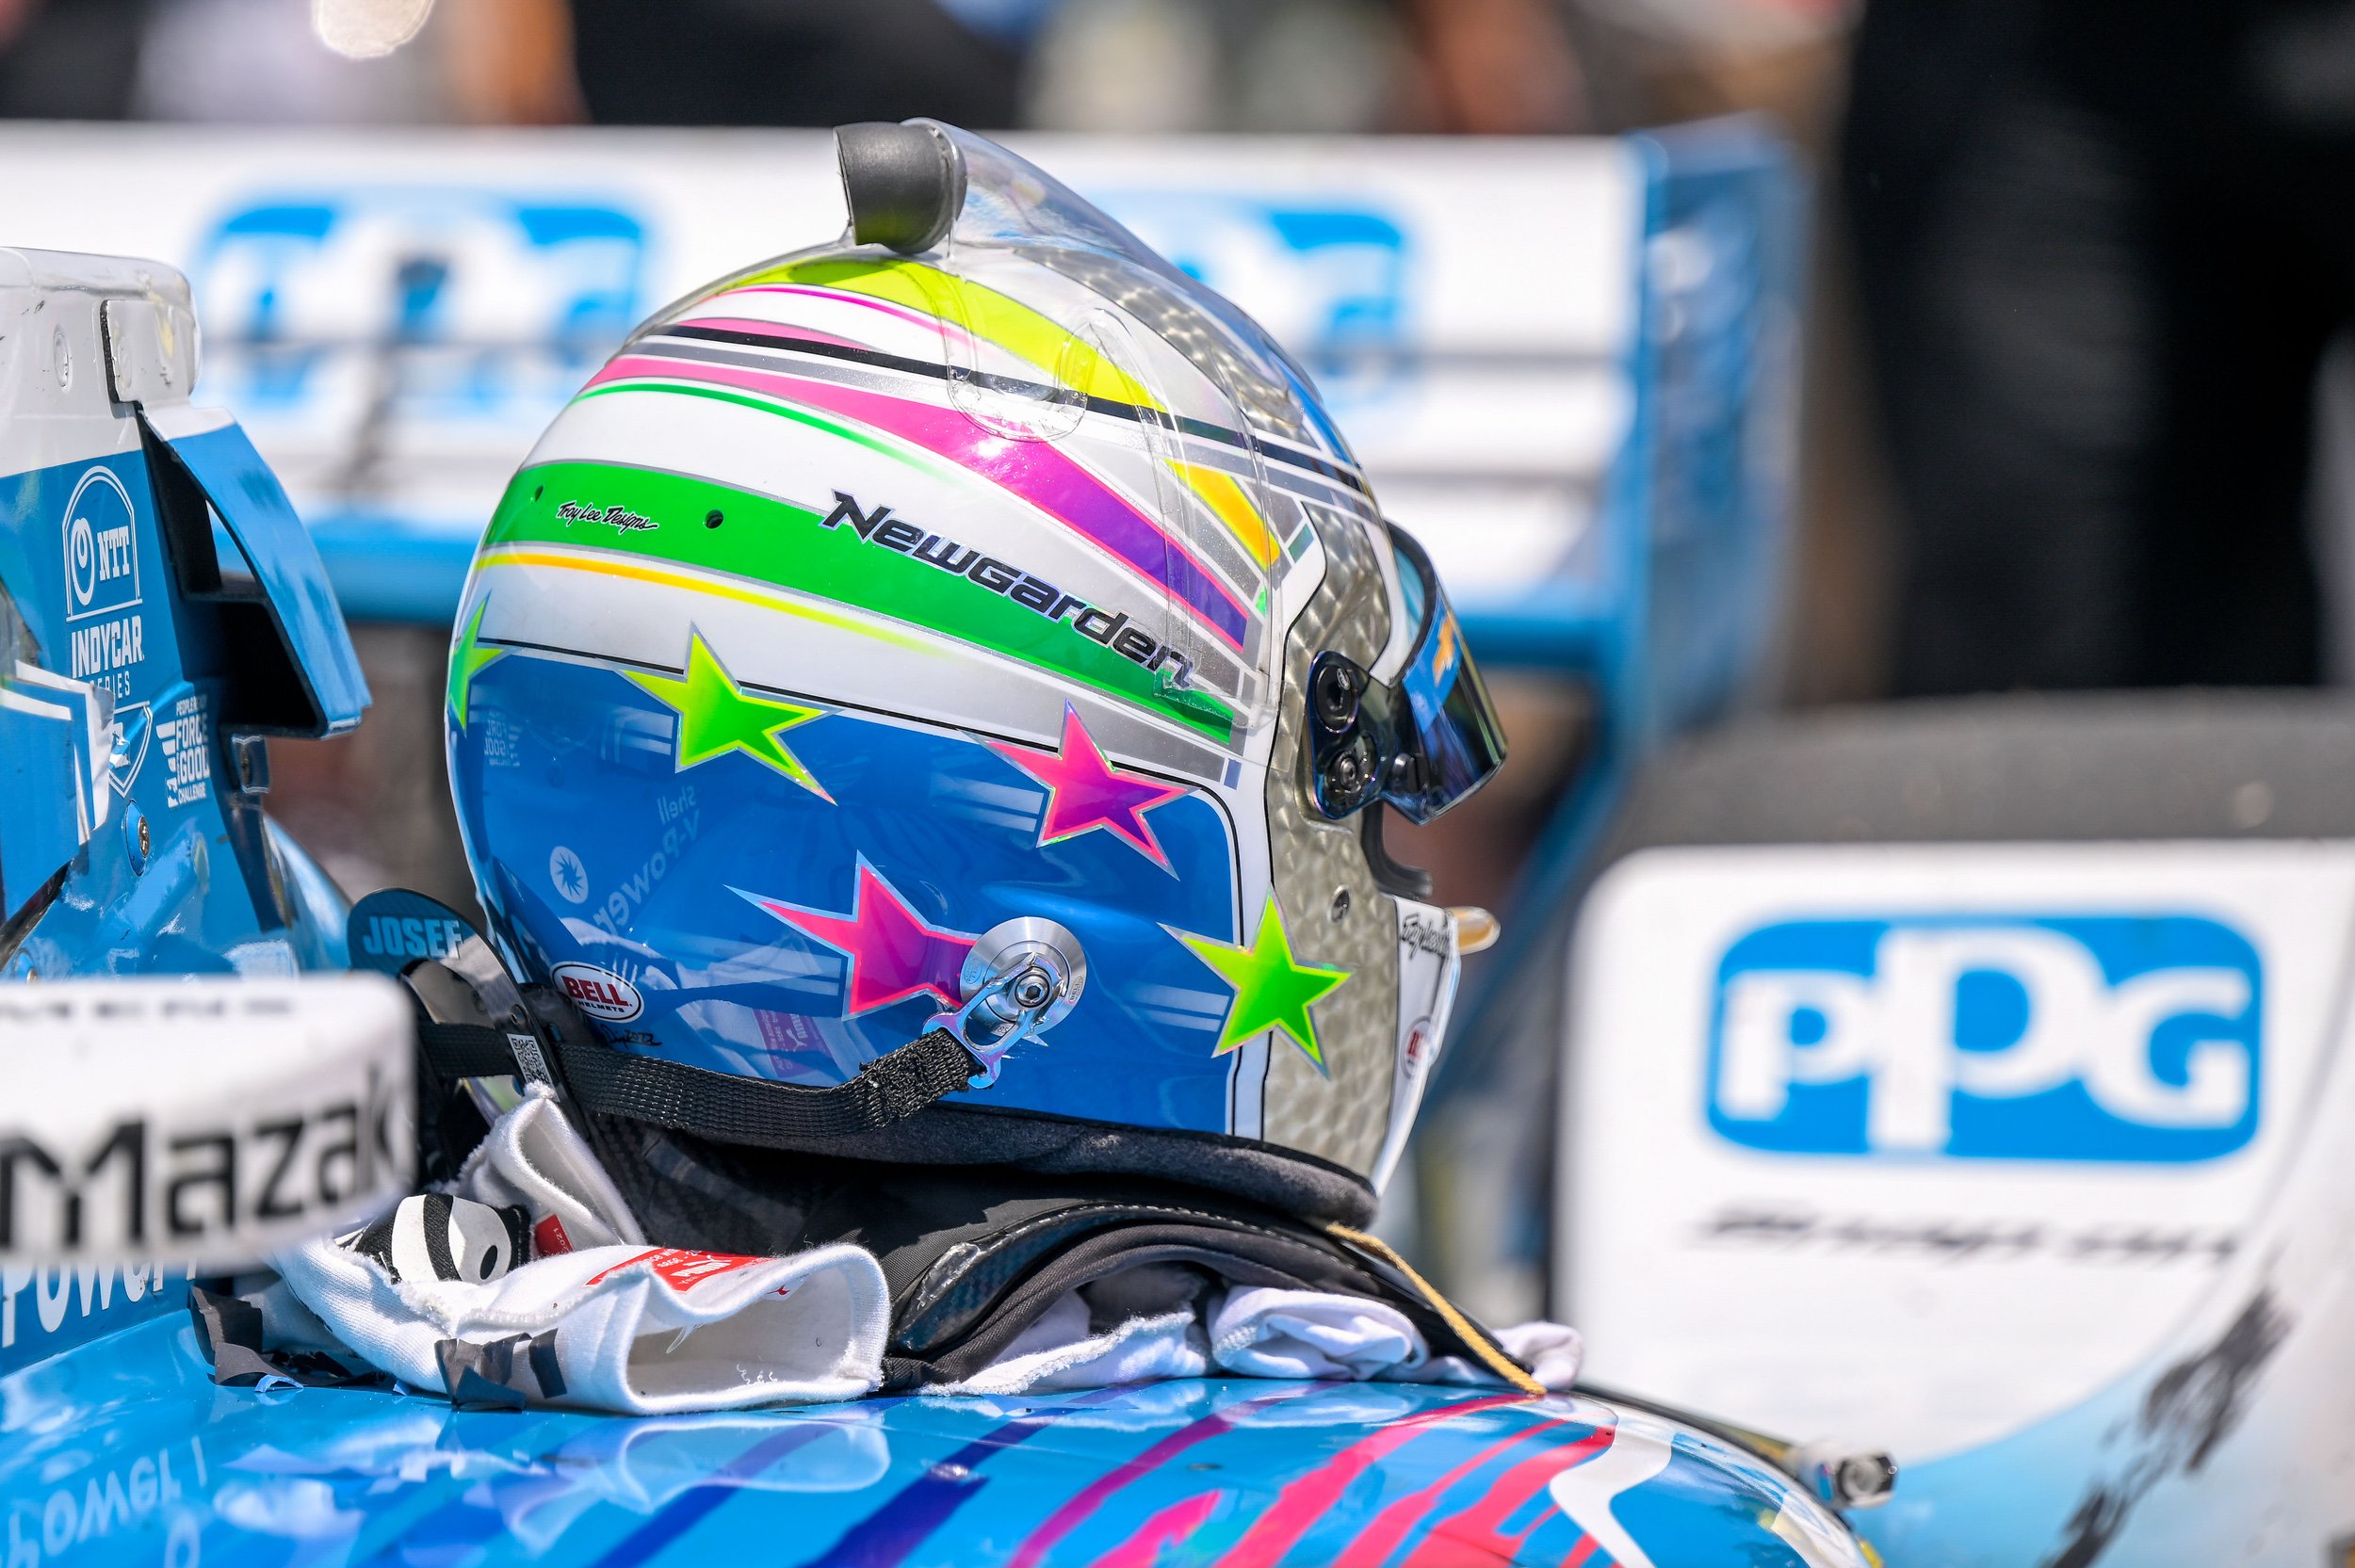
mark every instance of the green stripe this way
{"type": "Point", "coordinates": [773, 542]}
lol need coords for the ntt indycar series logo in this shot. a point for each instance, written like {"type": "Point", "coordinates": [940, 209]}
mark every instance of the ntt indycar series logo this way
{"type": "Point", "coordinates": [2098, 1036]}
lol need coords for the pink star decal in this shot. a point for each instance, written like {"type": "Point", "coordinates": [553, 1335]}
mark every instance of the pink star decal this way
{"type": "Point", "coordinates": [893, 953]}
{"type": "Point", "coordinates": [1084, 792]}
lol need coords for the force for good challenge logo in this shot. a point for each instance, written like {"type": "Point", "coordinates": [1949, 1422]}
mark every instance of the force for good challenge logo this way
{"type": "Point", "coordinates": [2098, 1036]}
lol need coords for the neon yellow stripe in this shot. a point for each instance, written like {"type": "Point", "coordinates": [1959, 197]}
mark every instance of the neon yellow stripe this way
{"type": "Point", "coordinates": [716, 588]}
{"type": "Point", "coordinates": [1064, 356]}
{"type": "Point", "coordinates": [983, 312]}
{"type": "Point", "coordinates": [1230, 505]}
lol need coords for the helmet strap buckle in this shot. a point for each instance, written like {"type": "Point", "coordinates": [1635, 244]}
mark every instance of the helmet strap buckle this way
{"type": "Point", "coordinates": [1029, 993]}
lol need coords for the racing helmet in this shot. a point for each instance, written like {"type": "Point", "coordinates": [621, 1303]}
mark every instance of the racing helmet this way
{"type": "Point", "coordinates": [972, 628]}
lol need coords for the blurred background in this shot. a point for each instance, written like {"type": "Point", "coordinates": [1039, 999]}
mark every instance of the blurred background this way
{"type": "Point", "coordinates": [2066, 278]}
{"type": "Point", "coordinates": [1104, 68]}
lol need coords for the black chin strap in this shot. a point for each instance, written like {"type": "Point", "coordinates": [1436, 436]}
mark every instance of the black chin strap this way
{"type": "Point", "coordinates": [759, 1112]}
{"type": "Point", "coordinates": [672, 1094]}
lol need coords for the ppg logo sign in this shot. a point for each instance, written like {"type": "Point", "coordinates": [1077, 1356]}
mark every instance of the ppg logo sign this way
{"type": "Point", "coordinates": [2131, 1038]}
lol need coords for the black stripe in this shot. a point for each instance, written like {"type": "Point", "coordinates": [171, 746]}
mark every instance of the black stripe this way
{"type": "Point", "coordinates": [1130, 412]}
{"type": "Point", "coordinates": [804, 346]}
{"type": "Point", "coordinates": [433, 1221]}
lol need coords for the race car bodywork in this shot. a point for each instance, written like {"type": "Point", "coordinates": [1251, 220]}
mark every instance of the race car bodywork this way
{"type": "Point", "coordinates": [161, 612]}
{"type": "Point", "coordinates": [2098, 1309]}
{"type": "Point", "coordinates": [123, 1451]}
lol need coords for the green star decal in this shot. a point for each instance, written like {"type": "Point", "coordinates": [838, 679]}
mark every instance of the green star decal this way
{"type": "Point", "coordinates": [715, 717]}
{"type": "Point", "coordinates": [467, 661]}
{"type": "Point", "coordinates": [1272, 992]}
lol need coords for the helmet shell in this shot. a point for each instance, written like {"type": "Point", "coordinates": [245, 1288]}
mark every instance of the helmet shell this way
{"type": "Point", "coordinates": [865, 603]}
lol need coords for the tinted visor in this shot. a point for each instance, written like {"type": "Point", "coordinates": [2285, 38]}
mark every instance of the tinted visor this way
{"type": "Point", "coordinates": [1422, 744]}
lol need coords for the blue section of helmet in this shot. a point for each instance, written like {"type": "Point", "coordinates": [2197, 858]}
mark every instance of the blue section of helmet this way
{"type": "Point", "coordinates": [596, 849]}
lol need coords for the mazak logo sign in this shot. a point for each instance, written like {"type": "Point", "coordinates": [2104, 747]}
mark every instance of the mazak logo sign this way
{"type": "Point", "coordinates": [2098, 1036]}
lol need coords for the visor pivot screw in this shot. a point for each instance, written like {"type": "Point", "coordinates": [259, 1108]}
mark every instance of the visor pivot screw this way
{"type": "Point", "coordinates": [1335, 694]}
{"type": "Point", "coordinates": [1347, 774]}
{"type": "Point", "coordinates": [1032, 988]}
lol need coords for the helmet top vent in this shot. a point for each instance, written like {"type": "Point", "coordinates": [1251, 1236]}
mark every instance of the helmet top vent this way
{"type": "Point", "coordinates": [904, 183]}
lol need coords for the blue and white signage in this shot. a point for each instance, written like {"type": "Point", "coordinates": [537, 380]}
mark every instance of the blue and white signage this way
{"type": "Point", "coordinates": [1965, 1128]}
{"type": "Point", "coordinates": [396, 317]}
{"type": "Point", "coordinates": [2031, 1036]}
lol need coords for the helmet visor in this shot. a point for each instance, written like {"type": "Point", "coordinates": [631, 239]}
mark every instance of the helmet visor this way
{"type": "Point", "coordinates": [1422, 744]}
{"type": "Point", "coordinates": [1452, 727]}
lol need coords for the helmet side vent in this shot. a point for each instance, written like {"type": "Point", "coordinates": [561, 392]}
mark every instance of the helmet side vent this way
{"type": "Point", "coordinates": [904, 183]}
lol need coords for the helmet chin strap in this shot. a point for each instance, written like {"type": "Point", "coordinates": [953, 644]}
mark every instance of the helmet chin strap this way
{"type": "Point", "coordinates": [1030, 990]}
{"type": "Point", "coordinates": [1025, 976]}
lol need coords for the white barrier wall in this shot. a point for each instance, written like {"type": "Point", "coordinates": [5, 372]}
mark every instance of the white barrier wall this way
{"type": "Point", "coordinates": [396, 315]}
{"type": "Point", "coordinates": [1918, 1145]}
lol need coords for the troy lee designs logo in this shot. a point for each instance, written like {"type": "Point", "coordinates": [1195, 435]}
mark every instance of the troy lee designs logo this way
{"type": "Point", "coordinates": [612, 517]}
{"type": "Point", "coordinates": [1041, 597]}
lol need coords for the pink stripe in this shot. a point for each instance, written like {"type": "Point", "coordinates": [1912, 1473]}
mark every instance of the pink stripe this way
{"type": "Point", "coordinates": [1481, 1527]}
{"type": "Point", "coordinates": [1308, 1499]}
{"type": "Point", "coordinates": [1034, 470]}
{"type": "Point", "coordinates": [1373, 1544]}
{"type": "Point", "coordinates": [1076, 1508]}
{"type": "Point", "coordinates": [1169, 1527]}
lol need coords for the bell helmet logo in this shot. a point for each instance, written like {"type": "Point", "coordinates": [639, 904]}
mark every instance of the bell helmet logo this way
{"type": "Point", "coordinates": [599, 993]}
{"type": "Point", "coordinates": [2119, 1037]}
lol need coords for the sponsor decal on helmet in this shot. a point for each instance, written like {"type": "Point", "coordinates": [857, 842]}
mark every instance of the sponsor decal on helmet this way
{"type": "Point", "coordinates": [1113, 629]}
{"type": "Point", "coordinates": [612, 517]}
{"type": "Point", "coordinates": [570, 877]}
{"type": "Point", "coordinates": [599, 993]}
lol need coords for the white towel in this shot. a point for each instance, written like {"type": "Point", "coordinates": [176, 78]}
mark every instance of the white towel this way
{"type": "Point", "coordinates": [1256, 1333]}
{"type": "Point", "coordinates": [1306, 1333]}
{"type": "Point", "coordinates": [610, 1325]}
{"type": "Point", "coordinates": [602, 1320]}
